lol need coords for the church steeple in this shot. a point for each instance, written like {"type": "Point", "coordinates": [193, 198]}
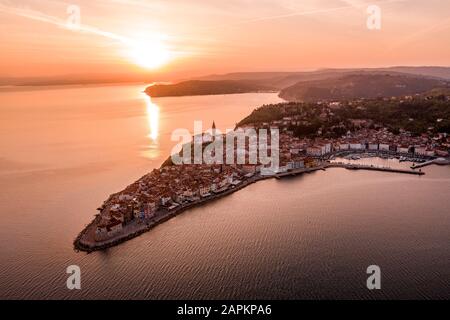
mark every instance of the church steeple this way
{"type": "Point", "coordinates": [214, 125]}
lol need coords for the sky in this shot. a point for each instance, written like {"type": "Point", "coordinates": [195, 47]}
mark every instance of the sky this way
{"type": "Point", "coordinates": [171, 39]}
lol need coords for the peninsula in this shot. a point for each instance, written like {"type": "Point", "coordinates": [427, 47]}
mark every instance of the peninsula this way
{"type": "Point", "coordinates": [414, 128]}
{"type": "Point", "coordinates": [199, 88]}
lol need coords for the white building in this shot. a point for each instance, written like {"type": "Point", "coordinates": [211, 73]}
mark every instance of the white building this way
{"type": "Point", "coordinates": [357, 146]}
{"type": "Point", "coordinates": [125, 197]}
{"type": "Point", "coordinates": [152, 206]}
{"type": "Point", "coordinates": [402, 149]}
{"type": "Point", "coordinates": [205, 191]}
{"type": "Point", "coordinates": [314, 151]}
{"type": "Point", "coordinates": [165, 200]}
{"type": "Point", "coordinates": [326, 148]}
{"type": "Point", "coordinates": [420, 150]}
{"type": "Point", "coordinates": [293, 165]}
{"type": "Point", "coordinates": [383, 147]}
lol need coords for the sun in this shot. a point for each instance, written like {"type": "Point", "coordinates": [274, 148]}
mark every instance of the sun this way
{"type": "Point", "coordinates": [149, 53]}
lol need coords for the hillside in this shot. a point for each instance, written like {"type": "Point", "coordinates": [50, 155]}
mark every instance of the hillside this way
{"type": "Point", "coordinates": [198, 87]}
{"type": "Point", "coordinates": [283, 80]}
{"type": "Point", "coordinates": [419, 114]}
{"type": "Point", "coordinates": [364, 85]}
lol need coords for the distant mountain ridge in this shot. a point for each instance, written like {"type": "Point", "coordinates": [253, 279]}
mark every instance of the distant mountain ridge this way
{"type": "Point", "coordinates": [327, 84]}
{"type": "Point", "coordinates": [362, 85]}
{"type": "Point", "coordinates": [436, 72]}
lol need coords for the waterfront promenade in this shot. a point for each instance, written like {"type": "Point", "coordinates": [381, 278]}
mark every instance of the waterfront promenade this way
{"type": "Point", "coordinates": [86, 239]}
{"type": "Point", "coordinates": [438, 161]}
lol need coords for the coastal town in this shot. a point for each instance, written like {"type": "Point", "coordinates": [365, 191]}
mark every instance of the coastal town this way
{"type": "Point", "coordinates": [171, 189]}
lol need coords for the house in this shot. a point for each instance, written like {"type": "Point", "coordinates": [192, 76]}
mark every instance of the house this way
{"type": "Point", "coordinates": [315, 151]}
{"type": "Point", "coordinates": [188, 193]}
{"type": "Point", "coordinates": [373, 146]}
{"type": "Point", "coordinates": [357, 146]}
{"type": "Point", "coordinates": [115, 207]}
{"type": "Point", "coordinates": [125, 197]}
{"type": "Point", "coordinates": [165, 201]}
{"type": "Point", "coordinates": [248, 168]}
{"type": "Point", "coordinates": [205, 191]}
{"type": "Point", "coordinates": [293, 165]}
{"type": "Point", "coordinates": [106, 231]}
{"type": "Point", "coordinates": [383, 147]}
{"type": "Point", "coordinates": [420, 151]}
{"type": "Point", "coordinates": [402, 149]}
{"type": "Point", "coordinates": [114, 227]}
{"type": "Point", "coordinates": [150, 210]}
{"type": "Point", "coordinates": [224, 183]}
{"type": "Point", "coordinates": [128, 213]}
{"type": "Point", "coordinates": [344, 146]}
{"type": "Point", "coordinates": [117, 216]}
{"type": "Point", "coordinates": [326, 148]}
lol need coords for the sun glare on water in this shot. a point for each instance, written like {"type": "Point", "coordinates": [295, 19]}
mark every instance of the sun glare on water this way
{"type": "Point", "coordinates": [149, 53]}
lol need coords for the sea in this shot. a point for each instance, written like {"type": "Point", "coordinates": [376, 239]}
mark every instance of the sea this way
{"type": "Point", "coordinates": [64, 150]}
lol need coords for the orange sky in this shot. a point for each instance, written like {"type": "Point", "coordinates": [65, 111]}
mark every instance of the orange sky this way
{"type": "Point", "coordinates": [208, 36]}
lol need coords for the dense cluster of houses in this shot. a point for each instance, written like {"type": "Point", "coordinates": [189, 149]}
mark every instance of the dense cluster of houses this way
{"type": "Point", "coordinates": [297, 152]}
{"type": "Point", "coordinates": [166, 189]}
{"type": "Point", "coordinates": [403, 143]}
{"type": "Point", "coordinates": [172, 186]}
{"type": "Point", "coordinates": [368, 137]}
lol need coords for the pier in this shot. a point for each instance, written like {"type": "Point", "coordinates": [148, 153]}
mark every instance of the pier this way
{"type": "Point", "coordinates": [349, 167]}
{"type": "Point", "coordinates": [374, 168]}
{"type": "Point", "coordinates": [439, 161]}
{"type": "Point", "coordinates": [299, 171]}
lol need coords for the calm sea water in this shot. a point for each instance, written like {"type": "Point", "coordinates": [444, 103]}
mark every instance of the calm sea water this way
{"type": "Point", "coordinates": [64, 150]}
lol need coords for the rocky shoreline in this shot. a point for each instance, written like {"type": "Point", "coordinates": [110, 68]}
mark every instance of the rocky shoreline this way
{"type": "Point", "coordinates": [80, 243]}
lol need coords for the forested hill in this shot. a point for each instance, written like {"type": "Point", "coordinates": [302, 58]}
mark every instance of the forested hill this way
{"type": "Point", "coordinates": [360, 86]}
{"type": "Point", "coordinates": [198, 87]}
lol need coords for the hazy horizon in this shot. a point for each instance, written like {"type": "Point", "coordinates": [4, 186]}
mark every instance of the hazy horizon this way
{"type": "Point", "coordinates": [182, 40]}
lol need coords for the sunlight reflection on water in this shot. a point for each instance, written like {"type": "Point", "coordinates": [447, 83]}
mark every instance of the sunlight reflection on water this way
{"type": "Point", "coordinates": [152, 112]}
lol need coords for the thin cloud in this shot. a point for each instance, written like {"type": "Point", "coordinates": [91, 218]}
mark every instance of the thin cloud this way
{"type": "Point", "coordinates": [42, 17]}
{"type": "Point", "coordinates": [414, 37]}
{"type": "Point", "coordinates": [350, 4]}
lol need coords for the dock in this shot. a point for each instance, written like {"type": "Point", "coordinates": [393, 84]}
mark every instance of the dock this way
{"type": "Point", "coordinates": [299, 171]}
{"type": "Point", "coordinates": [439, 161]}
{"type": "Point", "coordinates": [374, 168]}
{"type": "Point", "coordinates": [348, 167]}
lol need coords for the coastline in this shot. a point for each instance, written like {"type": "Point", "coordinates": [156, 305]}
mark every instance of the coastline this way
{"type": "Point", "coordinates": [80, 245]}
{"type": "Point", "coordinates": [136, 229]}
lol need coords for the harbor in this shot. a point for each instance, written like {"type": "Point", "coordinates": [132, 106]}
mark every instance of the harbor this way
{"type": "Point", "coordinates": [86, 240]}
{"type": "Point", "coordinates": [348, 166]}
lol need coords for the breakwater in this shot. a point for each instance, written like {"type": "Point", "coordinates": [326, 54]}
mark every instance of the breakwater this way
{"type": "Point", "coordinates": [85, 240]}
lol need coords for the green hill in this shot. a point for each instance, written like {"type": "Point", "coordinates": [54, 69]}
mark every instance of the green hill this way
{"type": "Point", "coordinates": [199, 87]}
{"type": "Point", "coordinates": [362, 85]}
